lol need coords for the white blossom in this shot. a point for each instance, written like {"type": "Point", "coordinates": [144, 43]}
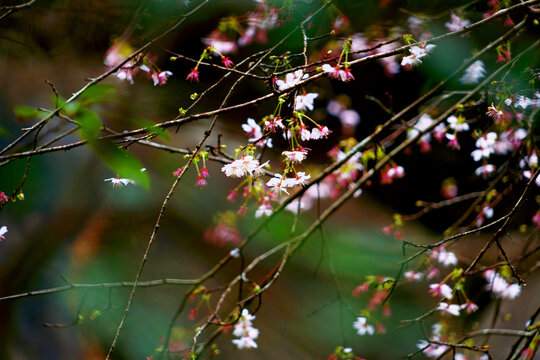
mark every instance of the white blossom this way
{"type": "Point", "coordinates": [474, 73]}
{"type": "Point", "coordinates": [264, 210]}
{"type": "Point", "coordinates": [362, 327]}
{"type": "Point", "coordinates": [457, 124]}
{"type": "Point", "coordinates": [291, 79]}
{"type": "Point", "coordinates": [3, 231]}
{"type": "Point", "coordinates": [417, 53]}
{"type": "Point", "coordinates": [451, 309]}
{"type": "Point", "coordinates": [295, 156]}
{"type": "Point", "coordinates": [500, 287]}
{"type": "Point", "coordinates": [253, 130]}
{"type": "Point", "coordinates": [456, 23]}
{"type": "Point", "coordinates": [117, 182]}
{"type": "Point", "coordinates": [246, 165]}
{"type": "Point", "coordinates": [305, 102]}
{"type": "Point", "coordinates": [245, 331]}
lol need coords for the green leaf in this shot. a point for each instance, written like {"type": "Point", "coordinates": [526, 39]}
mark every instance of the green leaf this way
{"type": "Point", "coordinates": [89, 123]}
{"type": "Point", "coordinates": [25, 112]}
{"type": "Point", "coordinates": [4, 132]}
{"type": "Point", "coordinates": [72, 108]}
{"type": "Point", "coordinates": [121, 162]}
{"type": "Point", "coordinates": [98, 93]}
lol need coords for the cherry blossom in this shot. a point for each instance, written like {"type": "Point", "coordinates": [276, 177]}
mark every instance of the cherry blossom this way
{"type": "Point", "coordinates": [3, 231]}
{"type": "Point", "coordinates": [264, 210]}
{"type": "Point", "coordinates": [291, 79]}
{"type": "Point", "coordinates": [451, 309]}
{"type": "Point", "coordinates": [441, 290]}
{"type": "Point", "coordinates": [252, 129]}
{"type": "Point", "coordinates": [417, 53]}
{"type": "Point", "coordinates": [423, 123]}
{"type": "Point", "coordinates": [333, 71]}
{"type": "Point", "coordinates": [245, 331]}
{"type": "Point", "coordinates": [117, 182]}
{"type": "Point", "coordinates": [485, 170]}
{"type": "Point", "coordinates": [246, 165]}
{"type": "Point", "coordinates": [413, 275]}
{"type": "Point", "coordinates": [222, 46]}
{"type": "Point", "coordinates": [296, 205]}
{"type": "Point", "coordinates": [474, 73]}
{"type": "Point", "coordinates": [457, 123]}
{"type": "Point", "coordinates": [296, 156]}
{"type": "Point", "coordinates": [444, 257]}
{"type": "Point", "coordinates": [432, 350]}
{"type": "Point", "coordinates": [469, 307]}
{"type": "Point", "coordinates": [305, 102]}
{"type": "Point", "coordinates": [485, 145]}
{"type": "Point", "coordinates": [319, 132]}
{"type": "Point", "coordinates": [456, 23]}
{"type": "Point", "coordinates": [494, 112]}
{"type": "Point", "coordinates": [279, 183]}
{"type": "Point", "coordinates": [161, 77]}
{"type": "Point", "coordinates": [193, 76]}
{"type": "Point", "coordinates": [362, 327]}
{"type": "Point", "coordinates": [499, 286]}
{"type": "Point", "coordinates": [273, 124]}
{"type": "Point", "coordinates": [227, 62]}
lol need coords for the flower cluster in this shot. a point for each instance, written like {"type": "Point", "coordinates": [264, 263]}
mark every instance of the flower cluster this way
{"type": "Point", "coordinates": [499, 286]}
{"type": "Point", "coordinates": [120, 51]}
{"type": "Point", "coordinates": [417, 53]}
{"type": "Point", "coordinates": [245, 332]}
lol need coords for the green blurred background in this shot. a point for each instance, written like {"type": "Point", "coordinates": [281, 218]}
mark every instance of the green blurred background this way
{"type": "Point", "coordinates": [75, 226]}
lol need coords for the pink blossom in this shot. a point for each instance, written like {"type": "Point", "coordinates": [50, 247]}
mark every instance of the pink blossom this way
{"type": "Point", "coordinates": [485, 170]}
{"type": "Point", "coordinates": [273, 124]}
{"type": "Point", "coordinates": [456, 23]}
{"type": "Point", "coordinates": [204, 172]}
{"type": "Point", "coordinates": [227, 62]}
{"type": "Point", "coordinates": [161, 78]}
{"type": "Point", "coordinates": [346, 75]}
{"type": "Point", "coordinates": [432, 350]}
{"type": "Point", "coordinates": [441, 290]}
{"type": "Point", "coordinates": [222, 234]}
{"type": "Point", "coordinates": [494, 112]}
{"type": "Point", "coordinates": [319, 132]}
{"type": "Point", "coordinates": [193, 76]}
{"type": "Point", "coordinates": [332, 71]}
{"type": "Point", "coordinates": [3, 198]}
{"type": "Point", "coordinates": [453, 142]}
{"type": "Point", "coordinates": [433, 272]}
{"type": "Point", "coordinates": [178, 172]}
{"type": "Point", "coordinates": [536, 219]}
{"type": "Point", "coordinates": [360, 289]}
{"type": "Point", "coordinates": [439, 132]}
{"type": "Point", "coordinates": [413, 275]}
{"type": "Point", "coordinates": [469, 307]}
{"type": "Point", "coordinates": [201, 182]}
